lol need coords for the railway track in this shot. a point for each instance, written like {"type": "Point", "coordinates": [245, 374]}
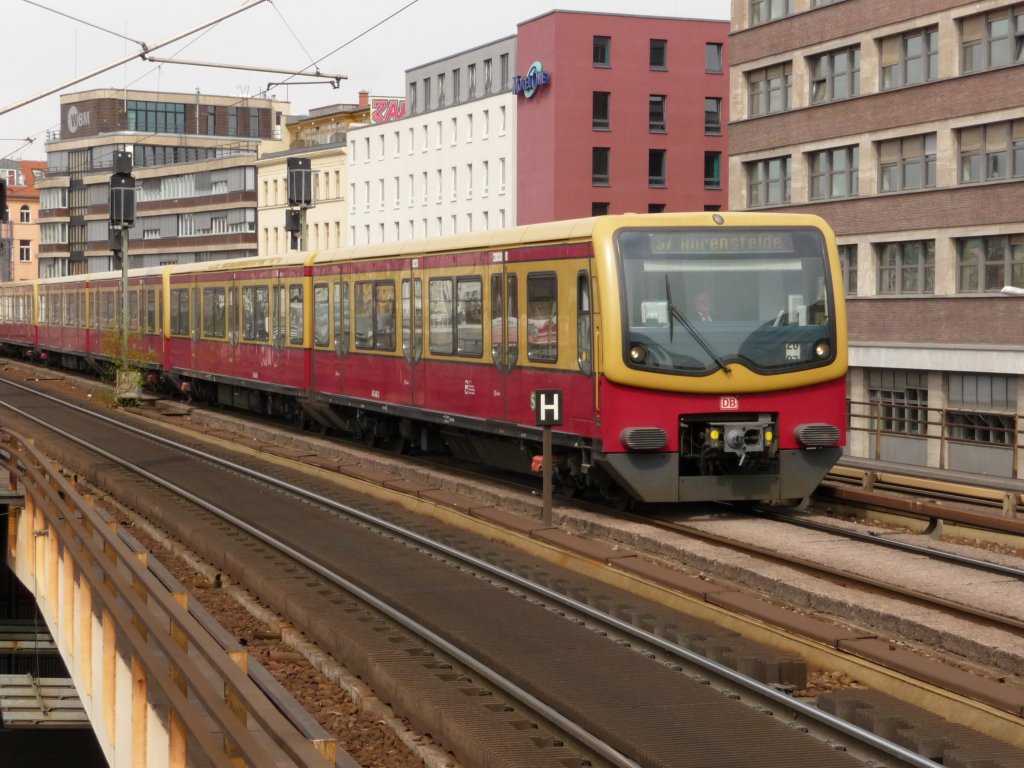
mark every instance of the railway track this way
{"type": "Point", "coordinates": [589, 619]}
{"type": "Point", "coordinates": [600, 739]}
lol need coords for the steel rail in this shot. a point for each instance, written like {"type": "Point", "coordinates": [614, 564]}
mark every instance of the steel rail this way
{"type": "Point", "coordinates": [972, 612]}
{"type": "Point", "coordinates": [903, 546]}
{"type": "Point", "coordinates": [597, 745]}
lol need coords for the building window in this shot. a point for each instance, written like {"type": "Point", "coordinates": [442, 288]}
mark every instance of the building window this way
{"type": "Point", "coordinates": [712, 116]}
{"type": "Point", "coordinates": [823, 3]}
{"type": "Point", "coordinates": [762, 11]}
{"type": "Point", "coordinates": [471, 77]}
{"type": "Point", "coordinates": [834, 173]}
{"type": "Point", "coordinates": [600, 163]}
{"type": "Point", "coordinates": [835, 75]}
{"type": "Point", "coordinates": [659, 59]}
{"type": "Point", "coordinates": [599, 209]}
{"type": "Point", "coordinates": [906, 163]}
{"type": "Point", "coordinates": [848, 261]}
{"type": "Point", "coordinates": [993, 39]}
{"type": "Point", "coordinates": [503, 63]}
{"type": "Point", "coordinates": [985, 406]}
{"type": "Point", "coordinates": [24, 250]}
{"type": "Point", "coordinates": [232, 121]}
{"type": "Point", "coordinates": [426, 94]}
{"type": "Point", "coordinates": [155, 117]}
{"type": "Point", "coordinates": [771, 89]}
{"type": "Point", "coordinates": [601, 111]}
{"type": "Point", "coordinates": [655, 207]}
{"type": "Point", "coordinates": [768, 182]}
{"type": "Point", "coordinates": [24, 215]}
{"type": "Point", "coordinates": [487, 76]}
{"type": "Point", "coordinates": [906, 267]}
{"type": "Point", "coordinates": [440, 90]}
{"type": "Point", "coordinates": [712, 170]}
{"type": "Point", "coordinates": [602, 51]}
{"type": "Point", "coordinates": [899, 400]}
{"type": "Point", "coordinates": [254, 122]}
{"type": "Point", "coordinates": [412, 97]}
{"type": "Point", "coordinates": [656, 113]}
{"type": "Point", "coordinates": [992, 152]}
{"type": "Point", "coordinates": [986, 264]}
{"type": "Point", "coordinates": [456, 86]}
{"type": "Point", "coordinates": [656, 167]}
{"type": "Point", "coordinates": [910, 59]}
{"type": "Point", "coordinates": [713, 58]}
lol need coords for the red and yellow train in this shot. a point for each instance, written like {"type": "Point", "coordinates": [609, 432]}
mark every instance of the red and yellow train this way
{"type": "Point", "coordinates": [439, 344]}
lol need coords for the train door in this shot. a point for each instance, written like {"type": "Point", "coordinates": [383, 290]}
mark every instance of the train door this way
{"type": "Point", "coordinates": [504, 303]}
{"type": "Point", "coordinates": [232, 326]}
{"type": "Point", "coordinates": [412, 335]}
{"type": "Point", "coordinates": [195, 328]}
{"type": "Point", "coordinates": [342, 307]}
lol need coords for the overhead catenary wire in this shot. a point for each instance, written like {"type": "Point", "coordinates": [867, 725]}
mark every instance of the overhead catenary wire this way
{"type": "Point", "coordinates": [244, 7]}
{"type": "Point", "coordinates": [204, 28]}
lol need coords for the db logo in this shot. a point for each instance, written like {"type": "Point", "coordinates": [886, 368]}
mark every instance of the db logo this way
{"type": "Point", "coordinates": [729, 403]}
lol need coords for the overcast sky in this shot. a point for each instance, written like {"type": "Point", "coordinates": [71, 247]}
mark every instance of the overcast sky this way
{"type": "Point", "coordinates": [43, 49]}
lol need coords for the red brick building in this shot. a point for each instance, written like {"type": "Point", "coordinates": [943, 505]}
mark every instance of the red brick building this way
{"type": "Point", "coordinates": [902, 124]}
{"type": "Point", "coordinates": [620, 113]}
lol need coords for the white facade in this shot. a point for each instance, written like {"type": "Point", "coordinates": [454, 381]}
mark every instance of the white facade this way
{"type": "Point", "coordinates": [446, 171]}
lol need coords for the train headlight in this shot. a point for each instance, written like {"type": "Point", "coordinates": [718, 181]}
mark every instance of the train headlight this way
{"type": "Point", "coordinates": [637, 354]}
{"type": "Point", "coordinates": [822, 350]}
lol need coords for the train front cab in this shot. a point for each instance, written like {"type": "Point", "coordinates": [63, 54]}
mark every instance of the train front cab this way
{"type": "Point", "coordinates": [747, 406]}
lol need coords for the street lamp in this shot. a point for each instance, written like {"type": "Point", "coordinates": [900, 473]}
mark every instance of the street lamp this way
{"type": "Point", "coordinates": [122, 217]}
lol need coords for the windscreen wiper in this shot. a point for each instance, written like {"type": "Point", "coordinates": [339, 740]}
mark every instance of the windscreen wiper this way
{"type": "Point", "coordinates": [674, 313]}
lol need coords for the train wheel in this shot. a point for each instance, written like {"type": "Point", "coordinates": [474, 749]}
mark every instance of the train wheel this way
{"type": "Point", "coordinates": [792, 505]}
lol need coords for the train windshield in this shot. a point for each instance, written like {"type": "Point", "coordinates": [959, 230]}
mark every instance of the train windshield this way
{"type": "Point", "coordinates": [696, 300]}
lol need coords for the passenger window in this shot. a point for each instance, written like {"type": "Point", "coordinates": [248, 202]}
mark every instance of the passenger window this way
{"type": "Point", "coordinates": [364, 315]}
{"type": "Point", "coordinates": [412, 318]}
{"type": "Point", "coordinates": [584, 349]}
{"type": "Point", "coordinates": [346, 318]}
{"type": "Point", "coordinates": [214, 313]}
{"type": "Point", "coordinates": [321, 315]}
{"type": "Point", "coordinates": [296, 332]}
{"type": "Point", "coordinates": [375, 315]}
{"type": "Point", "coordinates": [179, 311]}
{"type": "Point", "coordinates": [255, 313]}
{"type": "Point", "coordinates": [469, 312]}
{"type": "Point", "coordinates": [133, 310]}
{"type": "Point", "coordinates": [441, 308]}
{"type": "Point", "coordinates": [542, 317]}
{"type": "Point", "coordinates": [384, 315]}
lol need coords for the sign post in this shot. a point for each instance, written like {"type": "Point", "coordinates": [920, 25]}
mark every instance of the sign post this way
{"type": "Point", "coordinates": [548, 409]}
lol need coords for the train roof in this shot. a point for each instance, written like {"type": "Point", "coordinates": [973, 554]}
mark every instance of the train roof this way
{"type": "Point", "coordinates": [491, 239]}
{"type": "Point", "coordinates": [561, 231]}
{"type": "Point", "coordinates": [293, 259]}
